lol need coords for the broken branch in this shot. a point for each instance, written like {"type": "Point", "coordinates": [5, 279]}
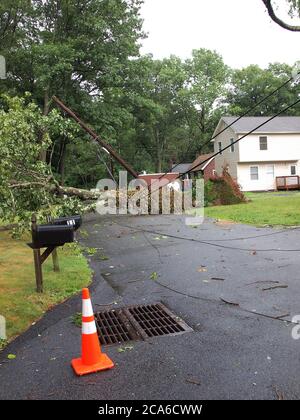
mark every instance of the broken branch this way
{"type": "Point", "coordinates": [276, 19]}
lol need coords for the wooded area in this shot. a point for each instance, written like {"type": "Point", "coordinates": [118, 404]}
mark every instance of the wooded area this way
{"type": "Point", "coordinates": [153, 112]}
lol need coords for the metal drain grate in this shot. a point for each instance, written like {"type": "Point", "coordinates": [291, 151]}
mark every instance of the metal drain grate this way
{"type": "Point", "coordinates": [113, 327]}
{"type": "Point", "coordinates": [138, 322]}
{"type": "Point", "coordinates": [156, 320]}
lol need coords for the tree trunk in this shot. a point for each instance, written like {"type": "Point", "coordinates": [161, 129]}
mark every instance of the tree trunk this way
{"type": "Point", "coordinates": [43, 153]}
{"type": "Point", "coordinates": [158, 165]}
{"type": "Point", "coordinates": [77, 192]}
{"type": "Point", "coordinates": [158, 152]}
{"type": "Point", "coordinates": [62, 161]}
{"type": "Point", "coordinates": [52, 186]}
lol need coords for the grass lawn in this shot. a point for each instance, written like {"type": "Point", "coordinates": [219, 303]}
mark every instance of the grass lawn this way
{"type": "Point", "coordinates": [275, 208]}
{"type": "Point", "coordinates": [19, 303]}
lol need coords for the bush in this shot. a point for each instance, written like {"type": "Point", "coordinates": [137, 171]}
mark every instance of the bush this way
{"type": "Point", "coordinates": [222, 191]}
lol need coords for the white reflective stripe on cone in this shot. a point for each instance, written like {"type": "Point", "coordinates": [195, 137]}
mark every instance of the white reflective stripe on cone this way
{"type": "Point", "coordinates": [87, 309]}
{"type": "Point", "coordinates": [89, 328]}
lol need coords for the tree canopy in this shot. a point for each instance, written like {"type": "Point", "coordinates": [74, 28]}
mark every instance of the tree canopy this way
{"type": "Point", "coordinates": [154, 112]}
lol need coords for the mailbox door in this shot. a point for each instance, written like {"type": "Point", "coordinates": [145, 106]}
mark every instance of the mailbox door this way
{"type": "Point", "coordinates": [52, 235]}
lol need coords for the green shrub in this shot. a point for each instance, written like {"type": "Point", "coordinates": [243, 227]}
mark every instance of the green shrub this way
{"type": "Point", "coordinates": [222, 190]}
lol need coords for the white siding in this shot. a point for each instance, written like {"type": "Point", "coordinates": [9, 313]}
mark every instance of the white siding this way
{"type": "Point", "coordinates": [265, 180]}
{"type": "Point", "coordinates": [283, 151]}
{"type": "Point", "coordinates": [281, 147]}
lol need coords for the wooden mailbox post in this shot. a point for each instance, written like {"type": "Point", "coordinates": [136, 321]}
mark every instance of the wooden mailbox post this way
{"type": "Point", "coordinates": [57, 233]}
{"type": "Point", "coordinates": [39, 258]}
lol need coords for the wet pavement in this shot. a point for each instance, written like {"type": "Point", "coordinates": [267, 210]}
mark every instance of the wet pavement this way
{"type": "Point", "coordinates": [237, 286]}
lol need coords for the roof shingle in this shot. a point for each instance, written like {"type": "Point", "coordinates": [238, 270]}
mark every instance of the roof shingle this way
{"type": "Point", "coordinates": [181, 168]}
{"type": "Point", "coordinates": [278, 125]}
{"type": "Point", "coordinates": [197, 165]}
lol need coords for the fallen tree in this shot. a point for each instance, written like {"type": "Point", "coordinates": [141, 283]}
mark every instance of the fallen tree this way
{"type": "Point", "coordinates": [27, 183]}
{"type": "Point", "coordinates": [53, 187]}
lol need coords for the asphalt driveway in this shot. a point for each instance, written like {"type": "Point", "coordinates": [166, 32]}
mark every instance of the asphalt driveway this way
{"type": "Point", "coordinates": [237, 286]}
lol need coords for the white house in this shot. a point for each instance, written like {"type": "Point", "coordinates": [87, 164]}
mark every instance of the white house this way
{"type": "Point", "coordinates": [254, 162]}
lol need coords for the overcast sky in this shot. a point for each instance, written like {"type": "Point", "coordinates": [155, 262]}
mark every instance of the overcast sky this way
{"type": "Point", "coordinates": [240, 30]}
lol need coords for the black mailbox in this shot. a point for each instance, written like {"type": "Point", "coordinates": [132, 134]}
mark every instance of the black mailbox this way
{"type": "Point", "coordinates": [52, 235]}
{"type": "Point", "coordinates": [74, 221]}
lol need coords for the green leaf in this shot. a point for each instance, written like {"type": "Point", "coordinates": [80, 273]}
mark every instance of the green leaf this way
{"type": "Point", "coordinates": [91, 251]}
{"type": "Point", "coordinates": [124, 349]}
{"type": "Point", "coordinates": [154, 276]}
{"type": "Point", "coordinates": [11, 356]}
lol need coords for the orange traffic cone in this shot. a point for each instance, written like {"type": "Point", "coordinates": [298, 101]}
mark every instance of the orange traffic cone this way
{"type": "Point", "coordinates": [92, 359]}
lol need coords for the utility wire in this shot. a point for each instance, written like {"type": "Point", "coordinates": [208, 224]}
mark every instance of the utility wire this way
{"type": "Point", "coordinates": [104, 163]}
{"type": "Point", "coordinates": [244, 136]}
{"type": "Point", "coordinates": [265, 235]}
{"type": "Point", "coordinates": [237, 305]}
{"type": "Point", "coordinates": [220, 152]}
{"type": "Point", "coordinates": [201, 298]}
{"type": "Point", "coordinates": [242, 116]}
{"type": "Point", "coordinates": [231, 144]}
{"type": "Point", "coordinates": [216, 154]}
{"type": "Point", "coordinates": [246, 238]}
{"type": "Point", "coordinates": [183, 238]}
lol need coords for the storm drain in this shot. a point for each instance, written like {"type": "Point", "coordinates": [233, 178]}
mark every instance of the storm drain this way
{"type": "Point", "coordinates": [113, 327]}
{"type": "Point", "coordinates": [138, 323]}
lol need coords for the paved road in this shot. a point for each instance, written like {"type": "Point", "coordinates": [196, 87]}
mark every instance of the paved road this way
{"type": "Point", "coordinates": [240, 351]}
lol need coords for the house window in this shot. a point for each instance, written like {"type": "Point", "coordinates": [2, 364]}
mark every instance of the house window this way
{"type": "Point", "coordinates": [254, 173]}
{"type": "Point", "coordinates": [232, 148]}
{"type": "Point", "coordinates": [220, 147]}
{"type": "Point", "coordinates": [293, 170]}
{"type": "Point", "coordinates": [263, 143]}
